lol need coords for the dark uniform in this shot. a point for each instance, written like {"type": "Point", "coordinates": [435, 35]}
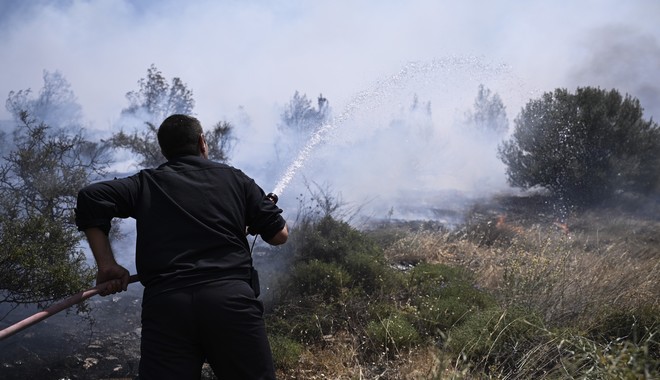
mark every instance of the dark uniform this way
{"type": "Point", "coordinates": [193, 258]}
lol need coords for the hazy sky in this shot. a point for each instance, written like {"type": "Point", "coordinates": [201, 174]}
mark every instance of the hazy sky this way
{"type": "Point", "coordinates": [255, 54]}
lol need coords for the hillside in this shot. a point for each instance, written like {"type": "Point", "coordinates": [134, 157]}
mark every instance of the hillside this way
{"type": "Point", "coordinates": [587, 278]}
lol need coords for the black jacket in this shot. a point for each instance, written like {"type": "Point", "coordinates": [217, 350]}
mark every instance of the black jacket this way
{"type": "Point", "coordinates": [191, 216]}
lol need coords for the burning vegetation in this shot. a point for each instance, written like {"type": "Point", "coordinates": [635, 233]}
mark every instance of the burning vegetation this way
{"type": "Point", "coordinates": [518, 297]}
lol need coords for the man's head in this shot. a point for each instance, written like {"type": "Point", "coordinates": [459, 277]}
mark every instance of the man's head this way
{"type": "Point", "coordinates": [181, 135]}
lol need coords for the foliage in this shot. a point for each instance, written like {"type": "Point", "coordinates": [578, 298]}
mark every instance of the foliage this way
{"type": "Point", "coordinates": [40, 176]}
{"type": "Point", "coordinates": [496, 338]}
{"type": "Point", "coordinates": [315, 277]}
{"type": "Point", "coordinates": [616, 359]}
{"type": "Point", "coordinates": [520, 296]}
{"type": "Point", "coordinates": [154, 101]}
{"type": "Point", "coordinates": [631, 324]}
{"type": "Point", "coordinates": [301, 118]}
{"type": "Point", "coordinates": [340, 281]}
{"type": "Point", "coordinates": [298, 121]}
{"type": "Point", "coordinates": [331, 240]}
{"type": "Point", "coordinates": [41, 261]}
{"type": "Point", "coordinates": [286, 351]}
{"type": "Point", "coordinates": [514, 343]}
{"type": "Point", "coordinates": [443, 296]}
{"type": "Point", "coordinates": [392, 334]}
{"type": "Point", "coordinates": [55, 105]}
{"type": "Point", "coordinates": [488, 119]}
{"type": "Point", "coordinates": [584, 146]}
{"type": "Point", "coordinates": [143, 144]}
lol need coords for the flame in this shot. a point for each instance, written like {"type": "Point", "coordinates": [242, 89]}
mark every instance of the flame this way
{"type": "Point", "coordinates": [562, 226]}
{"type": "Point", "coordinates": [504, 225]}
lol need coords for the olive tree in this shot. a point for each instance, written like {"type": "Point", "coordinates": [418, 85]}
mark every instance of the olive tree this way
{"type": "Point", "coordinates": [583, 146]}
{"type": "Point", "coordinates": [41, 170]}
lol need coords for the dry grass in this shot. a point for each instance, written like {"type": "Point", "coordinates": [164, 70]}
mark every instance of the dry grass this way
{"type": "Point", "coordinates": [571, 273]}
{"type": "Point", "coordinates": [339, 358]}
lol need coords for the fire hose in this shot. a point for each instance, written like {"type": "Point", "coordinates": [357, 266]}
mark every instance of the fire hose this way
{"type": "Point", "coordinates": [56, 308]}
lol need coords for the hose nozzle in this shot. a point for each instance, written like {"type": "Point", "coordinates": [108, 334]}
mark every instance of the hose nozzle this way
{"type": "Point", "coordinates": [273, 197]}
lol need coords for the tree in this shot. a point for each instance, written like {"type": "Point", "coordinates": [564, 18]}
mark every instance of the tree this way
{"type": "Point", "coordinates": [154, 101]}
{"type": "Point", "coordinates": [489, 116]}
{"type": "Point", "coordinates": [301, 118]}
{"type": "Point", "coordinates": [41, 259]}
{"type": "Point", "coordinates": [298, 122]}
{"type": "Point", "coordinates": [56, 103]}
{"type": "Point", "coordinates": [583, 147]}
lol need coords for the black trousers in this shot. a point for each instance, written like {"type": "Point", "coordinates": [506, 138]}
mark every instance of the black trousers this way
{"type": "Point", "coordinates": [221, 322]}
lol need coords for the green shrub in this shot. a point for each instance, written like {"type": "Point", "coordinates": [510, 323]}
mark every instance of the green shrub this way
{"type": "Point", "coordinates": [320, 278]}
{"type": "Point", "coordinates": [372, 274]}
{"type": "Point", "coordinates": [286, 351]}
{"type": "Point", "coordinates": [631, 325]}
{"type": "Point", "coordinates": [330, 240]}
{"type": "Point", "coordinates": [586, 358]}
{"type": "Point", "coordinates": [430, 279]}
{"type": "Point", "coordinates": [308, 320]}
{"type": "Point", "coordinates": [496, 338]}
{"type": "Point", "coordinates": [443, 296]}
{"type": "Point", "coordinates": [514, 344]}
{"type": "Point", "coordinates": [392, 334]}
{"type": "Point", "coordinates": [439, 314]}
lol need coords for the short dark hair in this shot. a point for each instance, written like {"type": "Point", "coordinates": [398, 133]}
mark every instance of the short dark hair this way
{"type": "Point", "coordinates": [178, 135]}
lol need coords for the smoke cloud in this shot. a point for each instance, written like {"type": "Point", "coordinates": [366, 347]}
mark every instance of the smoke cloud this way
{"type": "Point", "coordinates": [622, 58]}
{"type": "Point", "coordinates": [371, 60]}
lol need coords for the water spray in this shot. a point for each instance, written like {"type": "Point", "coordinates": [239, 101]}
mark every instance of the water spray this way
{"type": "Point", "coordinates": [377, 94]}
{"type": "Point", "coordinates": [56, 308]}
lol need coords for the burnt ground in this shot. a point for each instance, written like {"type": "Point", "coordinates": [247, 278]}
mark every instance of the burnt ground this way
{"type": "Point", "coordinates": [104, 344]}
{"type": "Point", "coordinates": [101, 344]}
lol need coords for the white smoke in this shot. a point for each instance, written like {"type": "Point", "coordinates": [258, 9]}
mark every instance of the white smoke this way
{"type": "Point", "coordinates": [403, 143]}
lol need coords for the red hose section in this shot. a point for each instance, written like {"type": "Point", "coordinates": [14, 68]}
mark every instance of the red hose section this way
{"type": "Point", "coordinates": [54, 309]}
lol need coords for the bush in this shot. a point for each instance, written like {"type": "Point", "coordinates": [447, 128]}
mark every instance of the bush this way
{"type": "Point", "coordinates": [286, 351]}
{"type": "Point", "coordinates": [443, 296]}
{"type": "Point", "coordinates": [320, 278]}
{"type": "Point", "coordinates": [330, 240]}
{"type": "Point", "coordinates": [631, 325]}
{"type": "Point", "coordinates": [392, 334]}
{"type": "Point", "coordinates": [307, 322]}
{"type": "Point", "coordinates": [585, 358]}
{"type": "Point", "coordinates": [584, 146]}
{"type": "Point", "coordinates": [496, 338]}
{"type": "Point", "coordinates": [371, 274]}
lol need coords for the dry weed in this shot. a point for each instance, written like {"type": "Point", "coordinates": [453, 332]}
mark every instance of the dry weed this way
{"type": "Point", "coordinates": [340, 358]}
{"type": "Point", "coordinates": [569, 273]}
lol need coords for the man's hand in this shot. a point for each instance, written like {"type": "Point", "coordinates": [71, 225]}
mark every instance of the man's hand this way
{"type": "Point", "coordinates": [114, 276]}
{"type": "Point", "coordinates": [114, 279]}
{"type": "Point", "coordinates": [273, 197]}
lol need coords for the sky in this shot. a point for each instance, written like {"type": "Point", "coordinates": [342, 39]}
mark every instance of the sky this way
{"type": "Point", "coordinates": [244, 60]}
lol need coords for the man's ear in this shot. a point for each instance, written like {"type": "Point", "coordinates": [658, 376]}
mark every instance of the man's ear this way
{"type": "Point", "coordinates": [203, 146]}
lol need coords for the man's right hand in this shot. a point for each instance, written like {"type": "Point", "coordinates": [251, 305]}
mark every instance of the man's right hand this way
{"type": "Point", "coordinates": [112, 279]}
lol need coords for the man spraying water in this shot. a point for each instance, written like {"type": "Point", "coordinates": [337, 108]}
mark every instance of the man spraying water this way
{"type": "Point", "coordinates": [192, 256]}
